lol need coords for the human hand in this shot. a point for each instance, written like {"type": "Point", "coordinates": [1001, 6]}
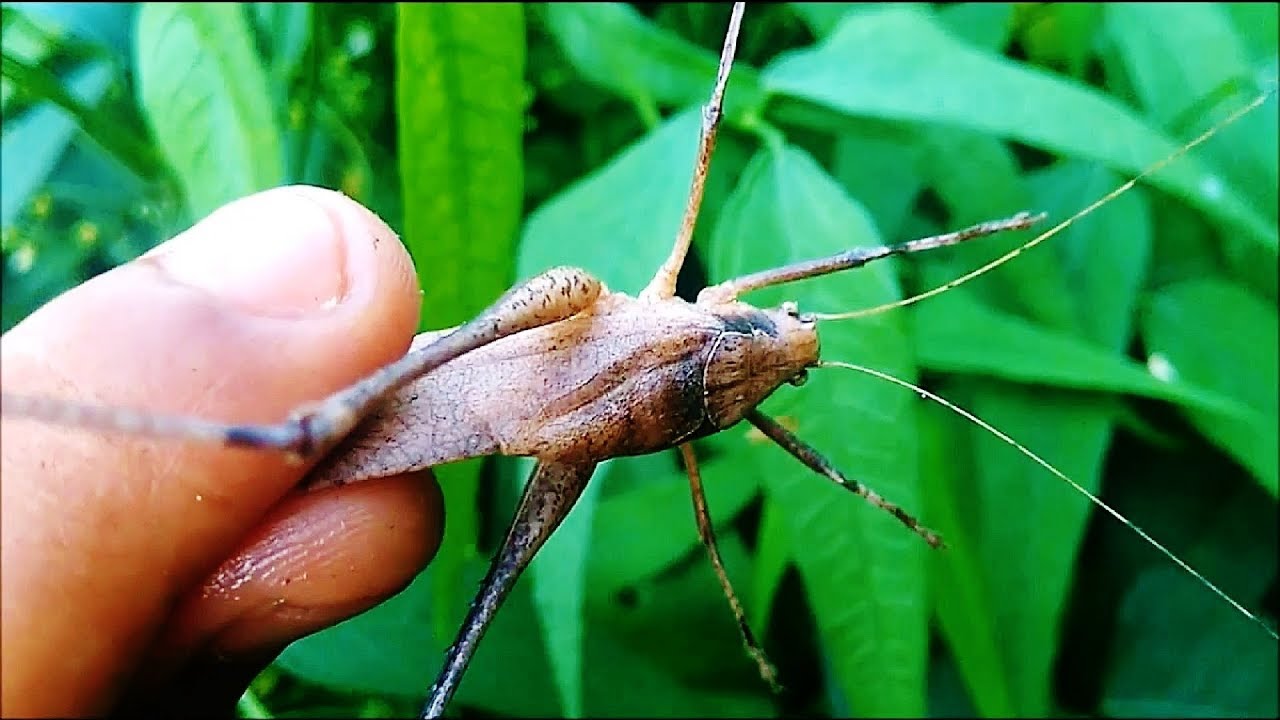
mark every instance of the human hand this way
{"type": "Point", "coordinates": [157, 574]}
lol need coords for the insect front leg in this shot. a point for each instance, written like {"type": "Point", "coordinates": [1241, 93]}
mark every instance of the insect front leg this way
{"type": "Point", "coordinates": [814, 461]}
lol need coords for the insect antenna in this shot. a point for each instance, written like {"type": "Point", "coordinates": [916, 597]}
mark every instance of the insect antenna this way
{"type": "Point", "coordinates": [1059, 227]}
{"type": "Point", "coordinates": [1063, 477]}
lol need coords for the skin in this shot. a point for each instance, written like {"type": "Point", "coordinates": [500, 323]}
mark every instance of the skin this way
{"type": "Point", "coordinates": [163, 575]}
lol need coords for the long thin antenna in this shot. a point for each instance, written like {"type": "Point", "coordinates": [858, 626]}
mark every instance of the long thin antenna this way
{"type": "Point", "coordinates": [1061, 476]}
{"type": "Point", "coordinates": [663, 284]}
{"type": "Point", "coordinates": [1150, 170]}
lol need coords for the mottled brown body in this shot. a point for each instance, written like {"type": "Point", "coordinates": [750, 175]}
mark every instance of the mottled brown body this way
{"type": "Point", "coordinates": [626, 377]}
{"type": "Point", "coordinates": [565, 371]}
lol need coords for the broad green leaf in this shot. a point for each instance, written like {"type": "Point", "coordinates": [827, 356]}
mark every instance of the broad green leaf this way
{"type": "Point", "coordinates": [460, 108]}
{"type": "Point", "coordinates": [558, 575]}
{"type": "Point", "coordinates": [899, 64]}
{"type": "Point", "coordinates": [633, 202]}
{"type": "Point", "coordinates": [1015, 349]}
{"type": "Point", "coordinates": [37, 139]}
{"type": "Point", "coordinates": [1059, 34]}
{"type": "Point", "coordinates": [977, 178]}
{"type": "Point", "coordinates": [863, 573]}
{"type": "Point", "coordinates": [289, 26]}
{"type": "Point", "coordinates": [1175, 644]}
{"type": "Point", "coordinates": [389, 650]}
{"type": "Point", "coordinates": [1031, 523]}
{"type": "Point", "coordinates": [961, 597]}
{"type": "Point", "coordinates": [1192, 72]}
{"type": "Point", "coordinates": [618, 49]}
{"type": "Point", "coordinates": [1020, 532]}
{"type": "Point", "coordinates": [651, 690]}
{"type": "Point", "coordinates": [1212, 664]}
{"type": "Point", "coordinates": [674, 646]}
{"type": "Point", "coordinates": [203, 90]}
{"type": "Point", "coordinates": [460, 105]}
{"type": "Point", "coordinates": [1258, 26]}
{"type": "Point", "coordinates": [772, 560]}
{"type": "Point", "coordinates": [984, 24]}
{"type": "Point", "coordinates": [1220, 337]}
{"type": "Point", "coordinates": [1102, 258]}
{"type": "Point", "coordinates": [823, 18]}
{"type": "Point", "coordinates": [657, 508]}
{"type": "Point", "coordinates": [879, 170]}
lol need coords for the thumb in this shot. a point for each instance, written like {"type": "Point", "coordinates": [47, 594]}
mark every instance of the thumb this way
{"type": "Point", "coordinates": [271, 302]}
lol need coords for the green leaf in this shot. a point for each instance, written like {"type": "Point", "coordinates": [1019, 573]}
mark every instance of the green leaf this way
{"type": "Point", "coordinates": [880, 170]}
{"type": "Point", "coordinates": [1030, 524]}
{"type": "Point", "coordinates": [863, 573]}
{"type": "Point", "coordinates": [460, 488]}
{"type": "Point", "coordinates": [559, 578]}
{"type": "Point", "coordinates": [1014, 349]}
{"type": "Point", "coordinates": [389, 650]}
{"type": "Point", "coordinates": [617, 49]}
{"type": "Point", "coordinates": [289, 26]}
{"type": "Point", "coordinates": [823, 18]}
{"type": "Point", "coordinates": [37, 139]}
{"type": "Point", "coordinates": [1192, 72]}
{"type": "Point", "coordinates": [1179, 655]}
{"type": "Point", "coordinates": [1221, 337]}
{"type": "Point", "coordinates": [204, 93]}
{"type": "Point", "coordinates": [460, 108]}
{"type": "Point", "coordinates": [1102, 276]}
{"type": "Point", "coordinates": [673, 649]}
{"type": "Point", "coordinates": [649, 689]}
{"type": "Point", "coordinates": [460, 105]}
{"type": "Point", "coordinates": [899, 64]}
{"type": "Point", "coordinates": [635, 202]}
{"type": "Point", "coordinates": [984, 24]}
{"type": "Point", "coordinates": [1060, 34]}
{"type": "Point", "coordinates": [385, 650]}
{"type": "Point", "coordinates": [772, 559]}
{"type": "Point", "coordinates": [961, 596]}
{"type": "Point", "coordinates": [657, 506]}
{"type": "Point", "coordinates": [1017, 532]}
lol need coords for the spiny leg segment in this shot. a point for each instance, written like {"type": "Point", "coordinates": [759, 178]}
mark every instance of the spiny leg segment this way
{"type": "Point", "coordinates": [554, 295]}
{"type": "Point", "coordinates": [707, 534]}
{"type": "Point", "coordinates": [814, 461]}
{"type": "Point", "coordinates": [663, 284]}
{"type": "Point", "coordinates": [548, 497]}
{"type": "Point", "coordinates": [857, 257]}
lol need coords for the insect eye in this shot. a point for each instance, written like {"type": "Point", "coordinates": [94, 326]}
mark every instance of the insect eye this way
{"type": "Point", "coordinates": [800, 378]}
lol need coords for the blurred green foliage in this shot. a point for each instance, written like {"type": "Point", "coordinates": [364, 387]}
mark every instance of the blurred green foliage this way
{"type": "Point", "coordinates": [1136, 350]}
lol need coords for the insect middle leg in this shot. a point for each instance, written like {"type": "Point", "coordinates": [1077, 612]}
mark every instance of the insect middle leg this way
{"type": "Point", "coordinates": [707, 534]}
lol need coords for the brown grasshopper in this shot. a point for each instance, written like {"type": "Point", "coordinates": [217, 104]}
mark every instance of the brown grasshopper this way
{"type": "Point", "coordinates": [611, 376]}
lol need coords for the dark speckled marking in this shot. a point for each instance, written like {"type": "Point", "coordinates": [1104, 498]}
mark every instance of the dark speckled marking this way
{"type": "Point", "coordinates": [749, 322]}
